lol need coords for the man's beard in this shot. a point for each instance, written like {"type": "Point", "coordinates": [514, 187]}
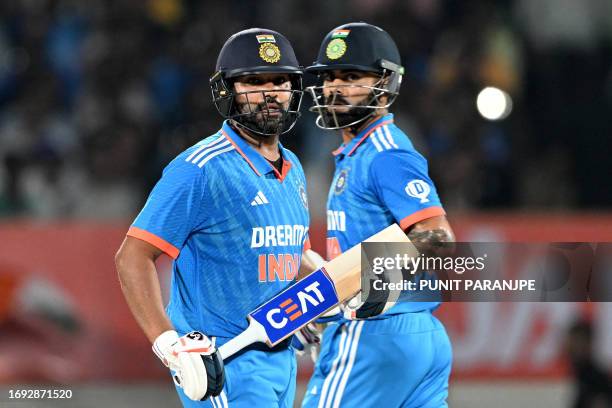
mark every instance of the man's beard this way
{"type": "Point", "coordinates": [260, 121]}
{"type": "Point", "coordinates": [351, 116]}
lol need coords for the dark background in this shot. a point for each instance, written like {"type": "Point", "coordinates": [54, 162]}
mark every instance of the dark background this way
{"type": "Point", "coordinates": [97, 97]}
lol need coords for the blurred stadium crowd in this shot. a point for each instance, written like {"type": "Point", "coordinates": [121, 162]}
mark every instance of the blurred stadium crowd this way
{"type": "Point", "coordinates": [97, 96]}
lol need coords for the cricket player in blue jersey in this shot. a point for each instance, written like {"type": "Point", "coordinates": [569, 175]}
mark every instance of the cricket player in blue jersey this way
{"type": "Point", "coordinates": [232, 212]}
{"type": "Point", "coordinates": [402, 357]}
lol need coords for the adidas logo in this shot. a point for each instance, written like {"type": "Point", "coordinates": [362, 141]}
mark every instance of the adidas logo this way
{"type": "Point", "coordinates": [260, 199]}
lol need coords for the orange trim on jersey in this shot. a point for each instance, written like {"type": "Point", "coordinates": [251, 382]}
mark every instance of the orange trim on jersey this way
{"type": "Point", "coordinates": [284, 170]}
{"type": "Point", "coordinates": [421, 215]}
{"type": "Point", "coordinates": [364, 137]}
{"type": "Point", "coordinates": [338, 150]}
{"type": "Point", "coordinates": [240, 151]}
{"type": "Point", "coordinates": [154, 240]}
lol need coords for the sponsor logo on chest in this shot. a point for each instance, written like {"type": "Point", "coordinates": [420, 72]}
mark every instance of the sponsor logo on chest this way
{"type": "Point", "coordinates": [278, 235]}
{"type": "Point", "coordinates": [275, 266]}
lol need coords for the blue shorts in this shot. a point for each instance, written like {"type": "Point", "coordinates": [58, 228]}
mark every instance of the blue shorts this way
{"type": "Point", "coordinates": [254, 379]}
{"type": "Point", "coordinates": [402, 360]}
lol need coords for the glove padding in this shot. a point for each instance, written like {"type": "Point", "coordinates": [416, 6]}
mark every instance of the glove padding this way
{"type": "Point", "coordinates": [308, 336]}
{"type": "Point", "coordinates": [358, 309]}
{"type": "Point", "coordinates": [197, 365]}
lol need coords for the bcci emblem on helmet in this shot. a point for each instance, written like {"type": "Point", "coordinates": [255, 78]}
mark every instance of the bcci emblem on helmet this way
{"type": "Point", "coordinates": [269, 52]}
{"type": "Point", "coordinates": [335, 49]}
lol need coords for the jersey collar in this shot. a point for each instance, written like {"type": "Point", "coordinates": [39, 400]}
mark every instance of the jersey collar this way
{"type": "Point", "coordinates": [256, 161]}
{"type": "Point", "coordinates": [350, 147]}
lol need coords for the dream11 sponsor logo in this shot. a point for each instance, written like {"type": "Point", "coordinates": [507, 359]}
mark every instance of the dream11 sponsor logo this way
{"type": "Point", "coordinates": [418, 189]}
{"type": "Point", "coordinates": [278, 265]}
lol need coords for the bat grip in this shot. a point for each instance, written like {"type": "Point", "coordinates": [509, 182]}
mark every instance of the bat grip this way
{"type": "Point", "coordinates": [254, 333]}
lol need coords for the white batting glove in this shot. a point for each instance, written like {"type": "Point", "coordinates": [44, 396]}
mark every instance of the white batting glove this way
{"type": "Point", "coordinates": [307, 338]}
{"type": "Point", "coordinates": [163, 348]}
{"type": "Point", "coordinates": [197, 365]}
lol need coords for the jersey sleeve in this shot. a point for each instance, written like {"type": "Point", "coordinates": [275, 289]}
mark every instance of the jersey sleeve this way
{"type": "Point", "coordinates": [401, 181]}
{"type": "Point", "coordinates": [172, 210]}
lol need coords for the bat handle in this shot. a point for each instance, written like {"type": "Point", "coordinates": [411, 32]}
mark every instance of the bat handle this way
{"type": "Point", "coordinates": [254, 333]}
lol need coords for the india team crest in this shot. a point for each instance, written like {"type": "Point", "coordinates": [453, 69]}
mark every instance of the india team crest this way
{"type": "Point", "coordinates": [269, 52]}
{"type": "Point", "coordinates": [303, 196]}
{"type": "Point", "coordinates": [335, 49]}
{"type": "Point", "coordinates": [341, 182]}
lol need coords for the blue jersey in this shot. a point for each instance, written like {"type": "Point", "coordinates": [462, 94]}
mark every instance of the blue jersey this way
{"type": "Point", "coordinates": [379, 179]}
{"type": "Point", "coordinates": [235, 227]}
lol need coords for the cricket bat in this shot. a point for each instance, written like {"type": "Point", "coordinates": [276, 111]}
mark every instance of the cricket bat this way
{"type": "Point", "coordinates": [299, 304]}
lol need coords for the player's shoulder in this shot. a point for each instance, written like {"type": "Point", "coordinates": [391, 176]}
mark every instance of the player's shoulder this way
{"type": "Point", "coordinates": [390, 146]}
{"type": "Point", "coordinates": [200, 157]}
{"type": "Point", "coordinates": [389, 137]}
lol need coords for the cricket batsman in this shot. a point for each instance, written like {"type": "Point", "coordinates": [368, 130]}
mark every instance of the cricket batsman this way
{"type": "Point", "coordinates": [401, 358]}
{"type": "Point", "coordinates": [232, 212]}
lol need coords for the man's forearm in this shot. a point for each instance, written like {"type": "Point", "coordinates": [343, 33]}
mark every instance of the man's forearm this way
{"type": "Point", "coordinates": [140, 286]}
{"type": "Point", "coordinates": [433, 236]}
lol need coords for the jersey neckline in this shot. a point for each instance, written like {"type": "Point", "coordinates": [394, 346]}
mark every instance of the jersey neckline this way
{"type": "Point", "coordinates": [352, 146]}
{"type": "Point", "coordinates": [256, 161]}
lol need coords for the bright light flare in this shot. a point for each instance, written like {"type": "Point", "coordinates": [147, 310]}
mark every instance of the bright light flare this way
{"type": "Point", "coordinates": [493, 103]}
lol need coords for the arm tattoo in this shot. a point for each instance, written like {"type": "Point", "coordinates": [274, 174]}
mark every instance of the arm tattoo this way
{"type": "Point", "coordinates": [432, 242]}
{"type": "Point", "coordinates": [435, 237]}
{"type": "Point", "coordinates": [436, 242]}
